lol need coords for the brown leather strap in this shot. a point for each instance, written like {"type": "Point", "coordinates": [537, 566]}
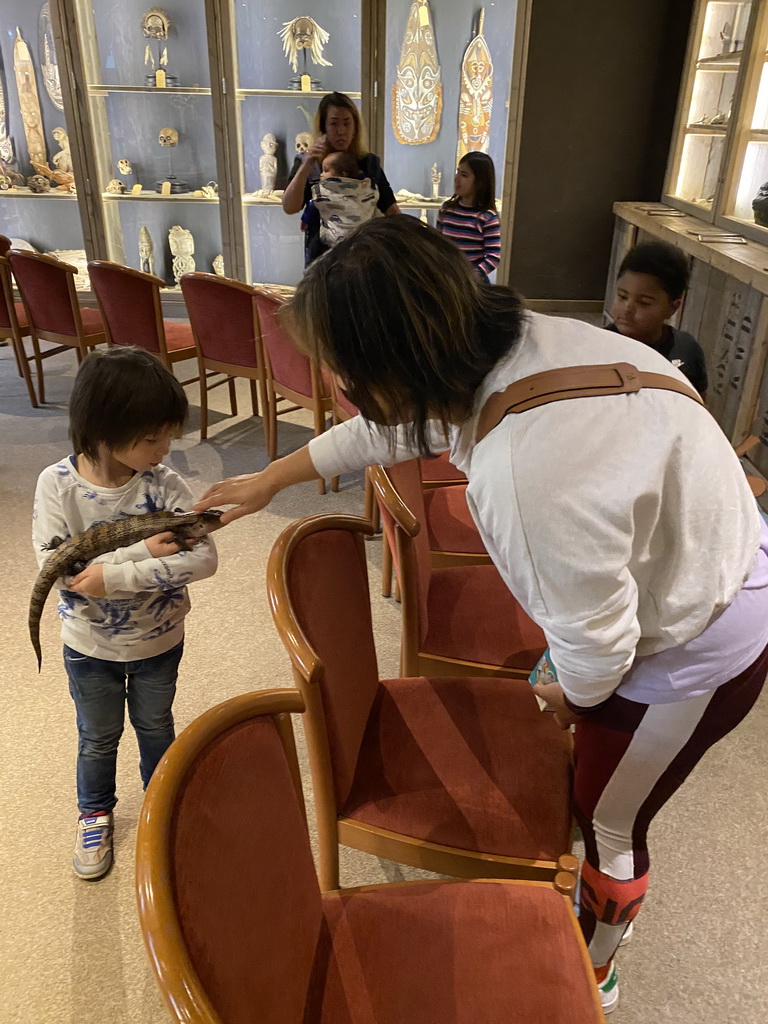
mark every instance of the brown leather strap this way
{"type": "Point", "coordinates": [572, 382]}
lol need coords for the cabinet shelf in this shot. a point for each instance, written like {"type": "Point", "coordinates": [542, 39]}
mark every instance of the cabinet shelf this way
{"type": "Point", "coordinates": [243, 93]}
{"type": "Point", "coordinates": [721, 62]}
{"type": "Point", "coordinates": [102, 90]}
{"type": "Point", "coordinates": [706, 129]}
{"type": "Point", "coordinates": [27, 193]}
{"type": "Point", "coordinates": [150, 196]}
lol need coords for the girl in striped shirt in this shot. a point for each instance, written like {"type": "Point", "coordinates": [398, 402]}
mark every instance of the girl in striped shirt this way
{"type": "Point", "coordinates": [469, 218]}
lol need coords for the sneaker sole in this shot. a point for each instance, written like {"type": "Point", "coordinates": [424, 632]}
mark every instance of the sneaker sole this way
{"type": "Point", "coordinates": [94, 876]}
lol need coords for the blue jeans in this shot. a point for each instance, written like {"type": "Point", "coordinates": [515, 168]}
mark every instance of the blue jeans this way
{"type": "Point", "coordinates": [99, 689]}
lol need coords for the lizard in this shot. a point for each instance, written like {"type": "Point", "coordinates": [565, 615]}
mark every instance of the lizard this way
{"type": "Point", "coordinates": [71, 555]}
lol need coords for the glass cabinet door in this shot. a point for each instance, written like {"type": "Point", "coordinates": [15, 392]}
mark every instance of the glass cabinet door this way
{"type": "Point", "coordinates": [148, 84]}
{"type": "Point", "coordinates": [275, 114]}
{"type": "Point", "coordinates": [746, 198]}
{"type": "Point", "coordinates": [446, 91]}
{"type": "Point", "coordinates": [38, 204]}
{"type": "Point", "coordinates": [719, 38]}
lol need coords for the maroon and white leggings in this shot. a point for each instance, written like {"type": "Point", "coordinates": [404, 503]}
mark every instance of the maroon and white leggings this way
{"type": "Point", "coordinates": [629, 759]}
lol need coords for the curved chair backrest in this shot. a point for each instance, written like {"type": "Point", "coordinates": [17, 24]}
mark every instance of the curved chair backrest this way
{"type": "Point", "coordinates": [401, 501]}
{"type": "Point", "coordinates": [47, 288]}
{"type": "Point", "coordinates": [129, 301]}
{"type": "Point", "coordinates": [289, 367]}
{"type": "Point", "coordinates": [228, 898]}
{"type": "Point", "coordinates": [343, 409]}
{"type": "Point", "coordinates": [317, 583]}
{"type": "Point", "coordinates": [223, 318]}
{"type": "Point", "coordinates": [7, 311]}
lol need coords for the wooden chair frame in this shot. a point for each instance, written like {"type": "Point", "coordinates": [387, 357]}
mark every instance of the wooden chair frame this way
{"type": "Point", "coordinates": [178, 980]}
{"type": "Point", "coordinates": [256, 376]}
{"type": "Point", "coordinates": [308, 673]}
{"type": "Point", "coordinates": [78, 341]}
{"type": "Point", "coordinates": [179, 983]}
{"type": "Point", "coordinates": [318, 404]}
{"type": "Point", "coordinates": [166, 358]}
{"type": "Point", "coordinates": [18, 333]}
{"type": "Point", "coordinates": [413, 661]}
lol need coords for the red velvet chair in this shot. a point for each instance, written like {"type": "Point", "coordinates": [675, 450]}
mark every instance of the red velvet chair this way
{"type": "Point", "coordinates": [130, 304]}
{"type": "Point", "coordinates": [53, 312]}
{"type": "Point", "coordinates": [13, 323]}
{"type": "Point", "coordinates": [225, 326]}
{"type": "Point", "coordinates": [237, 930]}
{"type": "Point", "coordinates": [458, 620]}
{"type": "Point", "coordinates": [443, 774]}
{"type": "Point", "coordinates": [440, 472]}
{"type": "Point", "coordinates": [290, 374]}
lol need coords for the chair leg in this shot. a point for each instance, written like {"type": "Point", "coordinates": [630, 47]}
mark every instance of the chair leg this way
{"type": "Point", "coordinates": [264, 406]}
{"type": "Point", "coordinates": [271, 426]}
{"type": "Point", "coordinates": [23, 364]}
{"type": "Point", "coordinates": [386, 567]}
{"type": "Point", "coordinates": [371, 506]}
{"type": "Point", "coordinates": [232, 396]}
{"type": "Point", "coordinates": [39, 368]}
{"type": "Point", "coordinates": [319, 415]}
{"type": "Point", "coordinates": [203, 402]}
{"type": "Point", "coordinates": [254, 397]}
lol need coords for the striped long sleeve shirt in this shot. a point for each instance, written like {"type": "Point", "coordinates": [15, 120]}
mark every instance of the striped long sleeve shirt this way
{"type": "Point", "coordinates": [476, 232]}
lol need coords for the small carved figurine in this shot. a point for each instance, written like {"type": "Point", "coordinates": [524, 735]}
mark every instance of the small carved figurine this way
{"type": "Point", "coordinates": [436, 177]}
{"type": "Point", "coordinates": [182, 247]}
{"type": "Point", "coordinates": [62, 160]}
{"type": "Point", "coordinates": [268, 164]}
{"type": "Point", "coordinates": [146, 249]}
{"type": "Point", "coordinates": [115, 187]}
{"type": "Point", "coordinates": [38, 183]}
{"type": "Point", "coordinates": [5, 183]}
{"type": "Point", "coordinates": [218, 265]}
{"type": "Point", "coordinates": [304, 34]}
{"type": "Point", "coordinates": [124, 166]}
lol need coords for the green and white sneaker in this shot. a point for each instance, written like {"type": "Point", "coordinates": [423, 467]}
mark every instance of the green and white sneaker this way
{"type": "Point", "coordinates": [93, 846]}
{"type": "Point", "coordinates": [609, 990]}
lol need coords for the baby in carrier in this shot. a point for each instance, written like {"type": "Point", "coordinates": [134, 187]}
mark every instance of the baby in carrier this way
{"type": "Point", "coordinates": [342, 199]}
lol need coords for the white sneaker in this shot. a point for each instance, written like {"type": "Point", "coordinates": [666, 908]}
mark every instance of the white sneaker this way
{"type": "Point", "coordinates": [627, 936]}
{"type": "Point", "coordinates": [93, 846]}
{"type": "Point", "coordinates": [609, 990]}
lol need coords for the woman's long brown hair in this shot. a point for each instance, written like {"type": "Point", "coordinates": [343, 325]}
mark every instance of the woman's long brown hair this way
{"type": "Point", "coordinates": [399, 315]}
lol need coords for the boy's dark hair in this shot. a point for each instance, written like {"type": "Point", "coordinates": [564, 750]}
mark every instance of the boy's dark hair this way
{"type": "Point", "coordinates": [667, 263]}
{"type": "Point", "coordinates": [344, 164]}
{"type": "Point", "coordinates": [121, 394]}
{"type": "Point", "coordinates": [398, 313]}
{"type": "Point", "coordinates": [482, 167]}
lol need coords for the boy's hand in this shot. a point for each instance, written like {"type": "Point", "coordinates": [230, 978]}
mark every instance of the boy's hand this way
{"type": "Point", "coordinates": [553, 696]}
{"type": "Point", "coordinates": [162, 544]}
{"type": "Point", "coordinates": [89, 582]}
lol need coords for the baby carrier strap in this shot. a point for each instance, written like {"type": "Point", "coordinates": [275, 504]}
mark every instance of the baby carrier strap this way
{"type": "Point", "coordinates": [572, 382]}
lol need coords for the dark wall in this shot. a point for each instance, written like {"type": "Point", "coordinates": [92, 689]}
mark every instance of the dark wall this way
{"type": "Point", "coordinates": [600, 97]}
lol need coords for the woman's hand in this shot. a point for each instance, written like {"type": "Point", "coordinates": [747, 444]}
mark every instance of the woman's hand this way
{"type": "Point", "coordinates": [250, 493]}
{"type": "Point", "coordinates": [89, 582]}
{"type": "Point", "coordinates": [553, 696]}
{"type": "Point", "coordinates": [317, 151]}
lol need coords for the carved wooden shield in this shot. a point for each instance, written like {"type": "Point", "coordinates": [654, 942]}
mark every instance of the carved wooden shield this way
{"type": "Point", "coordinates": [29, 102]}
{"type": "Point", "coordinates": [476, 98]}
{"type": "Point", "coordinates": [417, 95]}
{"type": "Point", "coordinates": [47, 54]}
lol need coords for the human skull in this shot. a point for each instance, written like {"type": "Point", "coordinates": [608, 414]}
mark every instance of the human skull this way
{"type": "Point", "coordinates": [38, 183]}
{"type": "Point", "coordinates": [116, 187]}
{"type": "Point", "coordinates": [124, 166]}
{"type": "Point", "coordinates": [5, 183]}
{"type": "Point", "coordinates": [303, 142]}
{"type": "Point", "coordinates": [168, 137]}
